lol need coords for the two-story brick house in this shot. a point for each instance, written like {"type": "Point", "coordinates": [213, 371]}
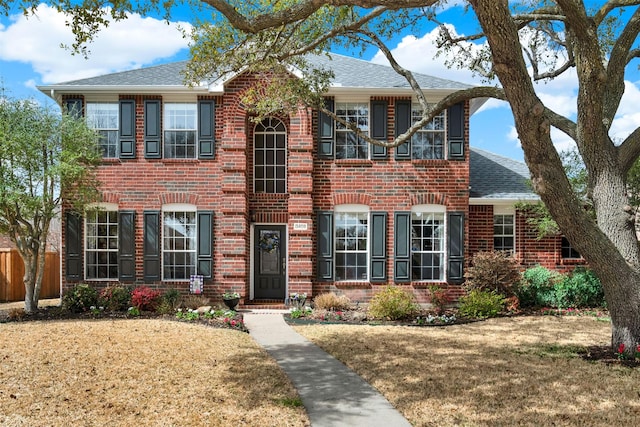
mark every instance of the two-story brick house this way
{"type": "Point", "coordinates": [295, 203]}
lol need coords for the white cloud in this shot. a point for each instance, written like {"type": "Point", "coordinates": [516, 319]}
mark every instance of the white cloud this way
{"type": "Point", "coordinates": [419, 55]}
{"type": "Point", "coordinates": [122, 46]}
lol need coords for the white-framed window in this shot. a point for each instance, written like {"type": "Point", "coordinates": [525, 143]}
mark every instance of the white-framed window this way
{"type": "Point", "coordinates": [179, 241]}
{"type": "Point", "coordinates": [348, 145]}
{"type": "Point", "coordinates": [103, 117]}
{"type": "Point", "coordinates": [428, 242]}
{"type": "Point", "coordinates": [429, 142]}
{"type": "Point", "coordinates": [351, 242]}
{"type": "Point", "coordinates": [101, 243]}
{"type": "Point", "coordinates": [180, 129]}
{"type": "Point", "coordinates": [270, 157]}
{"type": "Point", "coordinates": [504, 232]}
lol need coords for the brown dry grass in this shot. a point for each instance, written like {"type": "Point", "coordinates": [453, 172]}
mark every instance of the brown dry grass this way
{"type": "Point", "coordinates": [502, 372]}
{"type": "Point", "coordinates": [139, 372]}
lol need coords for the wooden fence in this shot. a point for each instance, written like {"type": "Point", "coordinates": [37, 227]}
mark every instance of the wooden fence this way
{"type": "Point", "coordinates": [12, 273]}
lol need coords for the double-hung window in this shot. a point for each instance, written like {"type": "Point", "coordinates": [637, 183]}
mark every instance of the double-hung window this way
{"type": "Point", "coordinates": [180, 129]}
{"type": "Point", "coordinates": [101, 247]}
{"type": "Point", "coordinates": [428, 142]}
{"type": "Point", "coordinates": [503, 232]}
{"type": "Point", "coordinates": [179, 242]}
{"type": "Point", "coordinates": [348, 144]}
{"type": "Point", "coordinates": [103, 117]}
{"type": "Point", "coordinates": [427, 242]}
{"type": "Point", "coordinates": [352, 243]}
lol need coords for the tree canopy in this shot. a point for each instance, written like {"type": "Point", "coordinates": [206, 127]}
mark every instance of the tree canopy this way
{"type": "Point", "coordinates": [516, 44]}
{"type": "Point", "coordinates": [45, 158]}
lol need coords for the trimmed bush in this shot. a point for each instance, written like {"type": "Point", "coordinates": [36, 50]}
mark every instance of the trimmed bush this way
{"type": "Point", "coordinates": [481, 304]}
{"type": "Point", "coordinates": [493, 271]}
{"type": "Point", "coordinates": [578, 290]}
{"type": "Point", "coordinates": [536, 287]}
{"type": "Point", "coordinates": [144, 298]}
{"type": "Point", "coordinates": [331, 301]}
{"type": "Point", "coordinates": [393, 303]}
{"type": "Point", "coordinates": [545, 288]}
{"type": "Point", "coordinates": [115, 298]}
{"type": "Point", "coordinates": [79, 299]}
{"type": "Point", "coordinates": [193, 302]}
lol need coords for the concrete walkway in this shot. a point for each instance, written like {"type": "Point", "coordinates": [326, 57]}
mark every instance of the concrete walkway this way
{"type": "Point", "coordinates": [332, 394]}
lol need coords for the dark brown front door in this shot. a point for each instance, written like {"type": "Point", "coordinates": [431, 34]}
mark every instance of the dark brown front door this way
{"type": "Point", "coordinates": [270, 262]}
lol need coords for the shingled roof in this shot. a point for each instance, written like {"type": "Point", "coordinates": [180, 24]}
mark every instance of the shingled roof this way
{"type": "Point", "coordinates": [349, 73]}
{"type": "Point", "coordinates": [499, 178]}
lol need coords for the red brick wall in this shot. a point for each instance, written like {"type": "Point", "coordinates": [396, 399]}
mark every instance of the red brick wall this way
{"type": "Point", "coordinates": [224, 185]}
{"type": "Point", "coordinates": [530, 250]}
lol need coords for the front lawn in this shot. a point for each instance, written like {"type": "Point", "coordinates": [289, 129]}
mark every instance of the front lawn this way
{"type": "Point", "coordinates": [527, 371]}
{"type": "Point", "coordinates": [147, 372]}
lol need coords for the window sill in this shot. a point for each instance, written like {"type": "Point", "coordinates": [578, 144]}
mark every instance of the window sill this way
{"type": "Point", "coordinates": [425, 284]}
{"type": "Point", "coordinates": [352, 284]}
{"type": "Point", "coordinates": [354, 162]}
{"type": "Point", "coordinates": [170, 161]}
{"type": "Point", "coordinates": [428, 161]}
{"type": "Point", "coordinates": [110, 160]}
{"type": "Point", "coordinates": [572, 261]}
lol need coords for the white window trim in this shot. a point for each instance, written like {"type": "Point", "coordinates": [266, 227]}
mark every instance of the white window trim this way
{"type": "Point", "coordinates": [508, 210]}
{"type": "Point", "coordinates": [286, 150]}
{"type": "Point", "coordinates": [355, 100]}
{"type": "Point", "coordinates": [416, 106]}
{"type": "Point", "coordinates": [165, 129]}
{"type": "Point", "coordinates": [430, 208]}
{"type": "Point", "coordinates": [101, 206]}
{"type": "Point", "coordinates": [356, 209]}
{"type": "Point", "coordinates": [175, 207]}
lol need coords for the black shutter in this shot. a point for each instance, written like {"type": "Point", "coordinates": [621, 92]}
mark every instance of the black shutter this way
{"type": "Point", "coordinates": [402, 247]}
{"type": "Point", "coordinates": [326, 132]}
{"type": "Point", "coordinates": [378, 246]}
{"type": "Point", "coordinates": [127, 129]}
{"type": "Point", "coordinates": [73, 107]}
{"type": "Point", "coordinates": [73, 246]}
{"type": "Point", "coordinates": [455, 131]}
{"type": "Point", "coordinates": [455, 270]}
{"type": "Point", "coordinates": [205, 243]}
{"type": "Point", "coordinates": [403, 123]}
{"type": "Point", "coordinates": [152, 132]}
{"type": "Point", "coordinates": [126, 246]}
{"type": "Point", "coordinates": [151, 246]}
{"type": "Point", "coordinates": [325, 246]}
{"type": "Point", "coordinates": [379, 128]}
{"type": "Point", "coordinates": [206, 129]}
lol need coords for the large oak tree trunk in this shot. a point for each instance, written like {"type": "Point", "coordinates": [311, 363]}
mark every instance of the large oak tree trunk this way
{"type": "Point", "coordinates": [610, 246]}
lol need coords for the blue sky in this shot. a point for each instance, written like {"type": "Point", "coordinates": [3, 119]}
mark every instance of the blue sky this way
{"type": "Point", "coordinates": [30, 55]}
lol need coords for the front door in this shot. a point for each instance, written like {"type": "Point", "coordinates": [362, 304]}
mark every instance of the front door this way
{"type": "Point", "coordinates": [270, 262]}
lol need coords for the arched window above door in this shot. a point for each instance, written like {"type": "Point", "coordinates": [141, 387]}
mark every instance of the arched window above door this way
{"type": "Point", "coordinates": [270, 156]}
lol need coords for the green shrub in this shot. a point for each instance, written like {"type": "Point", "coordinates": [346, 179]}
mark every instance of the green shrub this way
{"type": "Point", "coordinates": [481, 304]}
{"type": "Point", "coordinates": [143, 298]}
{"type": "Point", "coordinates": [393, 303]}
{"type": "Point", "coordinates": [115, 298]}
{"type": "Point", "coordinates": [331, 301]}
{"type": "Point", "coordinates": [536, 287]}
{"type": "Point", "coordinates": [493, 271]}
{"type": "Point", "coordinates": [545, 288]}
{"type": "Point", "coordinates": [578, 290]}
{"type": "Point", "coordinates": [81, 298]}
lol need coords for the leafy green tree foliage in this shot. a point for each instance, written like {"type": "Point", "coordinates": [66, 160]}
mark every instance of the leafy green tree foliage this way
{"type": "Point", "coordinates": [44, 156]}
{"type": "Point", "coordinates": [517, 43]}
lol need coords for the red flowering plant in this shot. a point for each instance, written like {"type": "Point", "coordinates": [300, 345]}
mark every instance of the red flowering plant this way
{"type": "Point", "coordinates": [620, 351]}
{"type": "Point", "coordinates": [144, 298]}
